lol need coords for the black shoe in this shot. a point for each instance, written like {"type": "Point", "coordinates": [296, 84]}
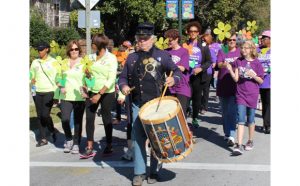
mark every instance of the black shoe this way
{"type": "Point", "coordinates": [42, 142]}
{"type": "Point", "coordinates": [267, 130]}
{"type": "Point", "coordinates": [108, 150]}
{"type": "Point", "coordinates": [153, 178]}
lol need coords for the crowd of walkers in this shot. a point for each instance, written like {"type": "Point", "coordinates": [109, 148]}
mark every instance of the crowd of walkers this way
{"type": "Point", "coordinates": [118, 80]}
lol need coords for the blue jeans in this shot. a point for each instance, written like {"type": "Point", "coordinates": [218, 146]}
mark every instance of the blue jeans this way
{"type": "Point", "coordinates": [139, 137]}
{"type": "Point", "coordinates": [229, 115]}
{"type": "Point", "coordinates": [243, 110]}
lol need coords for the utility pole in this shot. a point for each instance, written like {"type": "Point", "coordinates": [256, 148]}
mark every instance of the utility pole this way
{"type": "Point", "coordinates": [180, 17]}
{"type": "Point", "coordinates": [87, 25]}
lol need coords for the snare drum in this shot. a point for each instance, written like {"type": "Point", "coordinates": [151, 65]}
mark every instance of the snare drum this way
{"type": "Point", "coordinates": [167, 130]}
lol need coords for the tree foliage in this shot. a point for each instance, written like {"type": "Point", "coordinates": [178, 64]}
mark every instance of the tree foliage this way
{"type": "Point", "coordinates": [39, 30]}
{"type": "Point", "coordinates": [234, 12]}
{"type": "Point", "coordinates": [121, 17]}
{"type": "Point", "coordinates": [63, 35]}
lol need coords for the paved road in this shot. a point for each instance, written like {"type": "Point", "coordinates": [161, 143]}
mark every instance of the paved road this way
{"type": "Point", "coordinates": [210, 163]}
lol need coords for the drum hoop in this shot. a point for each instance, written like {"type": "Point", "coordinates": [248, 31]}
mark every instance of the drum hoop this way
{"type": "Point", "coordinates": [159, 121]}
{"type": "Point", "coordinates": [179, 157]}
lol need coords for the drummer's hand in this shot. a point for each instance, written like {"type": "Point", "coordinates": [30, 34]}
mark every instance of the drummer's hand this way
{"type": "Point", "coordinates": [170, 81]}
{"type": "Point", "coordinates": [125, 90]}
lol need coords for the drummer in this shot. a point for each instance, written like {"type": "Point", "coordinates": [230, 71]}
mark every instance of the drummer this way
{"type": "Point", "coordinates": [145, 70]}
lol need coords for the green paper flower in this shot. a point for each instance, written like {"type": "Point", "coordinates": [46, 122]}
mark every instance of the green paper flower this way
{"type": "Point", "coordinates": [255, 39]}
{"type": "Point", "coordinates": [222, 31]}
{"type": "Point", "coordinates": [251, 26]}
{"type": "Point", "coordinates": [225, 49]}
{"type": "Point", "coordinates": [89, 82]}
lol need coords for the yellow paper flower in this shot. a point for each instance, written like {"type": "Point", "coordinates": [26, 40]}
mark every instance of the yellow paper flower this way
{"type": "Point", "coordinates": [162, 44]}
{"type": "Point", "coordinates": [64, 65]}
{"type": "Point", "coordinates": [251, 26]}
{"type": "Point", "coordinates": [87, 63]}
{"type": "Point", "coordinates": [222, 31]}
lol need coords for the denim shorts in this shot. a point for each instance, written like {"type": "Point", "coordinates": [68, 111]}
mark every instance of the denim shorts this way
{"type": "Point", "coordinates": [244, 111]}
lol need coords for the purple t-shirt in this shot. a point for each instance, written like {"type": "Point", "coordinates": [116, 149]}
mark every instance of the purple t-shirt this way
{"type": "Point", "coordinates": [213, 59]}
{"type": "Point", "coordinates": [247, 90]}
{"type": "Point", "coordinates": [195, 57]}
{"type": "Point", "coordinates": [265, 60]}
{"type": "Point", "coordinates": [226, 86]}
{"type": "Point", "coordinates": [181, 58]}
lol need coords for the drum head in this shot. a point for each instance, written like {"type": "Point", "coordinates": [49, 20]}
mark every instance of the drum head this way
{"type": "Point", "coordinates": [166, 108]}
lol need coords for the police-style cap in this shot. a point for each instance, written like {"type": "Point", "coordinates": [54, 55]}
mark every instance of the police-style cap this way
{"type": "Point", "coordinates": [42, 45]}
{"type": "Point", "coordinates": [145, 29]}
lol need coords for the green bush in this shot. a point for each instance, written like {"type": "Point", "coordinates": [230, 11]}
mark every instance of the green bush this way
{"type": "Point", "coordinates": [39, 30]}
{"type": "Point", "coordinates": [33, 54]}
{"type": "Point", "coordinates": [63, 35]}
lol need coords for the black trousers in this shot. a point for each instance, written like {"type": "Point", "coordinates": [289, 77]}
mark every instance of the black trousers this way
{"type": "Point", "coordinates": [106, 101]}
{"type": "Point", "coordinates": [66, 109]}
{"type": "Point", "coordinates": [265, 95]}
{"type": "Point", "coordinates": [197, 92]}
{"type": "Point", "coordinates": [43, 104]}
{"type": "Point", "coordinates": [205, 95]}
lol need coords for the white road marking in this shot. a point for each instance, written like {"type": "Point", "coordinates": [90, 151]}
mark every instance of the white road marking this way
{"type": "Point", "coordinates": [178, 165]}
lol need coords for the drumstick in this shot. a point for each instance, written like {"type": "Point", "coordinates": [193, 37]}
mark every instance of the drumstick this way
{"type": "Point", "coordinates": [171, 73]}
{"type": "Point", "coordinates": [131, 89]}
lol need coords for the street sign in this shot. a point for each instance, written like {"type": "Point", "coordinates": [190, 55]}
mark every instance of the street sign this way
{"type": "Point", "coordinates": [172, 9]}
{"type": "Point", "coordinates": [188, 9]}
{"type": "Point", "coordinates": [92, 3]}
{"type": "Point", "coordinates": [94, 19]}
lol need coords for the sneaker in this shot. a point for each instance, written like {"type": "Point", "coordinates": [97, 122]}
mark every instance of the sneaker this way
{"type": "Point", "coordinates": [153, 178]}
{"type": "Point", "coordinates": [195, 123]}
{"type": "Point", "coordinates": [202, 112]}
{"type": "Point", "coordinates": [230, 141]}
{"type": "Point", "coordinates": [249, 145]}
{"type": "Point", "coordinates": [138, 180]}
{"type": "Point", "coordinates": [68, 146]}
{"type": "Point", "coordinates": [107, 150]}
{"type": "Point", "coordinates": [42, 142]}
{"type": "Point", "coordinates": [87, 153]}
{"type": "Point", "coordinates": [128, 155]}
{"type": "Point", "coordinates": [238, 150]}
{"type": "Point", "coordinates": [75, 149]}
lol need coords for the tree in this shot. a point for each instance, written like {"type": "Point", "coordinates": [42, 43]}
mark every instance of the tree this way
{"type": "Point", "coordinates": [63, 35]}
{"type": "Point", "coordinates": [39, 30]}
{"type": "Point", "coordinates": [234, 12]}
{"type": "Point", "coordinates": [121, 17]}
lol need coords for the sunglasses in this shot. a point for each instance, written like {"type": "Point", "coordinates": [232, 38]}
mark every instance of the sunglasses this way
{"type": "Point", "coordinates": [74, 49]}
{"type": "Point", "coordinates": [193, 31]}
{"type": "Point", "coordinates": [231, 40]}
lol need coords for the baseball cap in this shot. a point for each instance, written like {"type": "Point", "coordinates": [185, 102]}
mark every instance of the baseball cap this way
{"type": "Point", "coordinates": [266, 33]}
{"type": "Point", "coordinates": [42, 45]}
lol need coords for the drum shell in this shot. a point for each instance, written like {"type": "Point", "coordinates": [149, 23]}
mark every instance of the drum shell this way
{"type": "Point", "coordinates": [160, 130]}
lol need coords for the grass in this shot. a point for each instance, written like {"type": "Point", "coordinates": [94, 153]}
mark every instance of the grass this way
{"type": "Point", "coordinates": [33, 116]}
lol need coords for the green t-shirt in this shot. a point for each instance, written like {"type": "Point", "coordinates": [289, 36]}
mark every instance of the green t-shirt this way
{"type": "Point", "coordinates": [104, 71]}
{"type": "Point", "coordinates": [73, 81]}
{"type": "Point", "coordinates": [38, 69]}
